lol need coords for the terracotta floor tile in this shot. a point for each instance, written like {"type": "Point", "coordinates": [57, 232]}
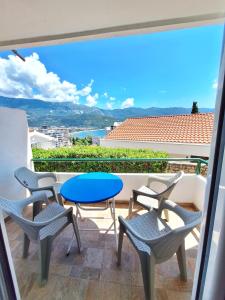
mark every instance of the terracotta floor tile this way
{"type": "Point", "coordinates": [93, 290]}
{"type": "Point", "coordinates": [94, 258]}
{"type": "Point", "coordinates": [110, 290]}
{"type": "Point", "coordinates": [118, 276]}
{"type": "Point", "coordinates": [85, 273]}
{"type": "Point", "coordinates": [94, 274]}
{"type": "Point", "coordinates": [137, 293]}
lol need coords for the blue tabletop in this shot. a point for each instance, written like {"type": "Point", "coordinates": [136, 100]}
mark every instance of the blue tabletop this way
{"type": "Point", "coordinates": [91, 187]}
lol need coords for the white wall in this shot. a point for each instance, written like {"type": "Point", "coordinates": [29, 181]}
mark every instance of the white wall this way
{"type": "Point", "coordinates": [174, 149]}
{"type": "Point", "coordinates": [15, 150]}
{"type": "Point", "coordinates": [42, 141]}
{"type": "Point", "coordinates": [190, 189]}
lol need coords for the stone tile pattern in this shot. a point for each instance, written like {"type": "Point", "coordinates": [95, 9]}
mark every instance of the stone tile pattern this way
{"type": "Point", "coordinates": [94, 274]}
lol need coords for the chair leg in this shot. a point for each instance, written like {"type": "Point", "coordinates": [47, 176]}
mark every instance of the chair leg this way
{"type": "Point", "coordinates": [120, 245]}
{"type": "Point", "coordinates": [166, 213]}
{"type": "Point", "coordinates": [26, 244]}
{"type": "Point", "coordinates": [148, 275]}
{"type": "Point", "coordinates": [181, 258]}
{"type": "Point", "coordinates": [57, 197]}
{"type": "Point", "coordinates": [37, 207]}
{"type": "Point", "coordinates": [45, 248]}
{"type": "Point", "coordinates": [131, 204]}
{"type": "Point", "coordinates": [60, 200]}
{"type": "Point", "coordinates": [76, 231]}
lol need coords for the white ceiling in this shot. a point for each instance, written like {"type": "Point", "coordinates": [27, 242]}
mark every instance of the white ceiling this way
{"type": "Point", "coordinates": [24, 23]}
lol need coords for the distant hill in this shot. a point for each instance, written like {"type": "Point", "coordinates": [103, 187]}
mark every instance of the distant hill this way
{"type": "Point", "coordinates": [69, 114]}
{"type": "Point", "coordinates": [122, 114]}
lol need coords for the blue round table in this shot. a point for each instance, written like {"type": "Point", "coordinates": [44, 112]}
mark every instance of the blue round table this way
{"type": "Point", "coordinates": [93, 188]}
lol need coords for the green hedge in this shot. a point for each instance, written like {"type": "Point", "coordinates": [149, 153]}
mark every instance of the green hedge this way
{"type": "Point", "coordinates": [99, 152]}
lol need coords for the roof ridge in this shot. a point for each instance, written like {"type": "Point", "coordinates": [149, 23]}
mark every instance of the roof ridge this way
{"type": "Point", "coordinates": [167, 116]}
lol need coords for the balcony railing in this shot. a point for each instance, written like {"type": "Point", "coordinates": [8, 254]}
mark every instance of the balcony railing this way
{"type": "Point", "coordinates": [199, 161]}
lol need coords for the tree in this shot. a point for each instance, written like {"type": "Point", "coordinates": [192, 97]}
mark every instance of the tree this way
{"type": "Point", "coordinates": [195, 108]}
{"type": "Point", "coordinates": [87, 141]}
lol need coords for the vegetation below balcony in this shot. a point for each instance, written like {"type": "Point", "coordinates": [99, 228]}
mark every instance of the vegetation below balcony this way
{"type": "Point", "coordinates": [66, 164]}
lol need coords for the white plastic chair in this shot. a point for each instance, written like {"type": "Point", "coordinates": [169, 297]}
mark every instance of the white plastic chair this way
{"type": "Point", "coordinates": [156, 242]}
{"type": "Point", "coordinates": [150, 198]}
{"type": "Point", "coordinates": [46, 225]}
{"type": "Point", "coordinates": [31, 181]}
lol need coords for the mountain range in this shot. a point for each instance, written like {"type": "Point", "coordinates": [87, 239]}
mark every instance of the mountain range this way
{"type": "Point", "coordinates": [69, 114]}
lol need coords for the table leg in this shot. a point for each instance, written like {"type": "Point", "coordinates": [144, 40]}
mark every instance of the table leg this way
{"type": "Point", "coordinates": [78, 213]}
{"type": "Point", "coordinates": [113, 214]}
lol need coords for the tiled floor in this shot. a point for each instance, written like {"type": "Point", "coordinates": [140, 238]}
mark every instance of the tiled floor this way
{"type": "Point", "coordinates": [94, 273]}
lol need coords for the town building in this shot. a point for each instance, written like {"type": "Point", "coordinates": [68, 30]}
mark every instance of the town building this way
{"type": "Point", "coordinates": [110, 128]}
{"type": "Point", "coordinates": [179, 135]}
{"type": "Point", "coordinates": [41, 140]}
{"type": "Point", "coordinates": [60, 134]}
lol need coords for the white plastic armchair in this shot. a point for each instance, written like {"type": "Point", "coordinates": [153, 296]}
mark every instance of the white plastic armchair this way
{"type": "Point", "coordinates": [30, 180]}
{"type": "Point", "coordinates": [45, 227]}
{"type": "Point", "coordinates": [156, 242]}
{"type": "Point", "coordinates": [151, 198]}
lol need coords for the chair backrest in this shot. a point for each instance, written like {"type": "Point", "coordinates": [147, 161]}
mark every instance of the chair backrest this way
{"type": "Point", "coordinates": [171, 185]}
{"type": "Point", "coordinates": [26, 177]}
{"type": "Point", "coordinates": [167, 245]}
{"type": "Point", "coordinates": [177, 177]}
{"type": "Point", "coordinates": [14, 208]}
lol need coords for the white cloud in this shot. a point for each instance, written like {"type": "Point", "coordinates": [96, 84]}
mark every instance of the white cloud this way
{"type": "Point", "coordinates": [92, 100]}
{"type": "Point", "coordinates": [215, 84]}
{"type": "Point", "coordinates": [109, 105]}
{"type": "Point", "coordinates": [110, 99]}
{"type": "Point", "coordinates": [127, 103]}
{"type": "Point", "coordinates": [106, 95]}
{"type": "Point", "coordinates": [87, 89]}
{"type": "Point", "coordinates": [31, 79]}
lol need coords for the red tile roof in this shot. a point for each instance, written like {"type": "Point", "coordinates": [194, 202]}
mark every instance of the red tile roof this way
{"type": "Point", "coordinates": [192, 128]}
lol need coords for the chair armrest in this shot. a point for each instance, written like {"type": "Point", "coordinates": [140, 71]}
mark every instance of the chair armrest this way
{"type": "Point", "coordinates": [47, 188]}
{"type": "Point", "coordinates": [39, 225]}
{"type": "Point", "coordinates": [126, 226]}
{"type": "Point", "coordinates": [46, 175]}
{"type": "Point", "coordinates": [186, 215]}
{"type": "Point", "coordinates": [139, 193]}
{"type": "Point", "coordinates": [44, 188]}
{"type": "Point", "coordinates": [37, 197]}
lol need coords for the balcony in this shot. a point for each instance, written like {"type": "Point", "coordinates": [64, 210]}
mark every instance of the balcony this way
{"type": "Point", "coordinates": [94, 274]}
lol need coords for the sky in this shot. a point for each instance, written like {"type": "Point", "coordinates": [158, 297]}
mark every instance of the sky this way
{"type": "Point", "coordinates": [164, 69]}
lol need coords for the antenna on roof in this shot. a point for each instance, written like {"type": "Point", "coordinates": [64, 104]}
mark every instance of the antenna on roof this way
{"type": "Point", "coordinates": [17, 54]}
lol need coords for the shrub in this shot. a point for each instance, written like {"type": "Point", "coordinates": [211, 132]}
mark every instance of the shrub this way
{"type": "Point", "coordinates": [99, 152]}
{"type": "Point", "coordinates": [82, 141]}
